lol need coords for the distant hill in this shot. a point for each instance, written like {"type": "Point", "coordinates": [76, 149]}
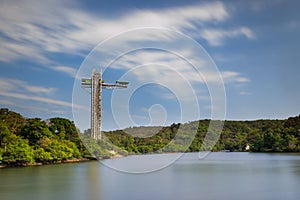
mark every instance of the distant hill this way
{"type": "Point", "coordinates": [255, 136]}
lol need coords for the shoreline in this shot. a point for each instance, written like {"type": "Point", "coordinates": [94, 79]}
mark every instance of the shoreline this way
{"type": "Point", "coordinates": [75, 160]}
{"type": "Point", "coordinates": [79, 160]}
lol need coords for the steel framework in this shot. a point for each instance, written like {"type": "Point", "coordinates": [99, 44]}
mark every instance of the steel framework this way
{"type": "Point", "coordinates": [95, 84]}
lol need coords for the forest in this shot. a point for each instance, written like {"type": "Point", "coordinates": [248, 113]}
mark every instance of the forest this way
{"type": "Point", "coordinates": [236, 136]}
{"type": "Point", "coordinates": [30, 141]}
{"type": "Point", "coordinates": [26, 141]}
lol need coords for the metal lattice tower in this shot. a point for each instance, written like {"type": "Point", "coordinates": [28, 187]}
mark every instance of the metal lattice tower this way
{"type": "Point", "coordinates": [95, 84]}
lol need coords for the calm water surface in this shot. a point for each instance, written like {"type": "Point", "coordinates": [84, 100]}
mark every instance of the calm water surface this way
{"type": "Point", "coordinates": [219, 176]}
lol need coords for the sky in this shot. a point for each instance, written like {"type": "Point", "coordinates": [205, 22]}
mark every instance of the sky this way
{"type": "Point", "coordinates": [251, 47]}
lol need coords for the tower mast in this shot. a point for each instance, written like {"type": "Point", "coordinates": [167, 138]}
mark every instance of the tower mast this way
{"type": "Point", "coordinates": [95, 84]}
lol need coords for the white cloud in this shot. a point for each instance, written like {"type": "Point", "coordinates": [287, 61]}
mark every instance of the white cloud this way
{"type": "Point", "coordinates": [35, 98]}
{"type": "Point", "coordinates": [163, 66]}
{"type": "Point", "coordinates": [38, 89]}
{"type": "Point", "coordinates": [17, 89]}
{"type": "Point", "coordinates": [6, 102]}
{"type": "Point", "coordinates": [245, 93]}
{"type": "Point", "coordinates": [15, 85]}
{"type": "Point", "coordinates": [10, 51]}
{"type": "Point", "coordinates": [41, 99]}
{"type": "Point", "coordinates": [65, 69]}
{"type": "Point", "coordinates": [167, 96]}
{"type": "Point", "coordinates": [33, 29]}
{"type": "Point", "coordinates": [215, 37]}
{"type": "Point", "coordinates": [57, 26]}
{"type": "Point", "coordinates": [231, 76]}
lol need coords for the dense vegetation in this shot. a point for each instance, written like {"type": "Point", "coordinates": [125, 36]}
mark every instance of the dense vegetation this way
{"type": "Point", "coordinates": [259, 136]}
{"type": "Point", "coordinates": [29, 141]}
{"type": "Point", "coordinates": [25, 141]}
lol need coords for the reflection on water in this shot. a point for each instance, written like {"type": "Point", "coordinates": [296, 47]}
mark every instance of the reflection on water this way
{"type": "Point", "coordinates": [219, 176]}
{"type": "Point", "coordinates": [64, 181]}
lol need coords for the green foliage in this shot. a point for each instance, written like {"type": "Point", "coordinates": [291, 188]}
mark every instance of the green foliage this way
{"type": "Point", "coordinates": [1, 158]}
{"type": "Point", "coordinates": [13, 121]}
{"type": "Point", "coordinates": [34, 130]}
{"type": "Point", "coordinates": [4, 135]}
{"type": "Point", "coordinates": [40, 155]}
{"type": "Point", "coordinates": [24, 141]}
{"type": "Point", "coordinates": [64, 128]}
{"type": "Point", "coordinates": [18, 152]}
{"type": "Point", "coordinates": [259, 135]}
{"type": "Point", "coordinates": [59, 150]}
{"type": "Point", "coordinates": [291, 143]}
{"type": "Point", "coordinates": [101, 148]}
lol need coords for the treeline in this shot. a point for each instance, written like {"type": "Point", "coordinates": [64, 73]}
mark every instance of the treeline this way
{"type": "Point", "coordinates": [27, 141]}
{"type": "Point", "coordinates": [255, 136]}
{"type": "Point", "coordinates": [30, 141]}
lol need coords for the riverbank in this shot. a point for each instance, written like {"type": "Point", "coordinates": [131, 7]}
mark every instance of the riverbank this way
{"type": "Point", "coordinates": [47, 163]}
{"type": "Point", "coordinates": [75, 160]}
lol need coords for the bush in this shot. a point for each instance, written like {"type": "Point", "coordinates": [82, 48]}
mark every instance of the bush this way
{"type": "Point", "coordinates": [18, 152]}
{"type": "Point", "coordinates": [40, 155]}
{"type": "Point", "coordinates": [1, 155]}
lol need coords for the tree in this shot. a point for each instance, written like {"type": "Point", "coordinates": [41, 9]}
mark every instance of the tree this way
{"type": "Point", "coordinates": [14, 121]}
{"type": "Point", "coordinates": [18, 152]}
{"type": "Point", "coordinates": [257, 143]}
{"type": "Point", "coordinates": [64, 128]}
{"type": "Point", "coordinates": [1, 158]}
{"type": "Point", "coordinates": [291, 143]}
{"type": "Point", "coordinates": [293, 122]}
{"type": "Point", "coordinates": [273, 141]}
{"type": "Point", "coordinates": [40, 155]}
{"type": "Point", "coordinates": [34, 130]}
{"type": "Point", "coordinates": [5, 135]}
{"type": "Point", "coordinates": [58, 149]}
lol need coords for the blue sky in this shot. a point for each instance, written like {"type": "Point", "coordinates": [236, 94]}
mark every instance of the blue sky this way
{"type": "Point", "coordinates": [254, 44]}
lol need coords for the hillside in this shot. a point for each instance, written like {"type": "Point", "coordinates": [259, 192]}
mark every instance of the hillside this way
{"type": "Point", "coordinates": [33, 141]}
{"type": "Point", "coordinates": [258, 135]}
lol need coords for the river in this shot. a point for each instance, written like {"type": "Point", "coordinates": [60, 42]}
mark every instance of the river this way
{"type": "Point", "coordinates": [245, 176]}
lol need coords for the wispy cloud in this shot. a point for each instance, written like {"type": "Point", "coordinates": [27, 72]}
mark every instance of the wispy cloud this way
{"type": "Point", "coordinates": [38, 89]}
{"type": "Point", "coordinates": [162, 66]}
{"type": "Point", "coordinates": [216, 37]}
{"type": "Point", "coordinates": [41, 99]}
{"type": "Point", "coordinates": [34, 109]}
{"type": "Point", "coordinates": [17, 89]}
{"type": "Point", "coordinates": [35, 98]}
{"type": "Point", "coordinates": [6, 102]}
{"type": "Point", "coordinates": [33, 30]}
{"type": "Point", "coordinates": [65, 69]}
{"type": "Point", "coordinates": [15, 85]}
{"type": "Point", "coordinates": [231, 76]}
{"type": "Point", "coordinates": [245, 93]}
{"type": "Point", "coordinates": [57, 26]}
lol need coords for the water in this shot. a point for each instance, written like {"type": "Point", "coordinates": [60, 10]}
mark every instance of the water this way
{"type": "Point", "coordinates": [232, 176]}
